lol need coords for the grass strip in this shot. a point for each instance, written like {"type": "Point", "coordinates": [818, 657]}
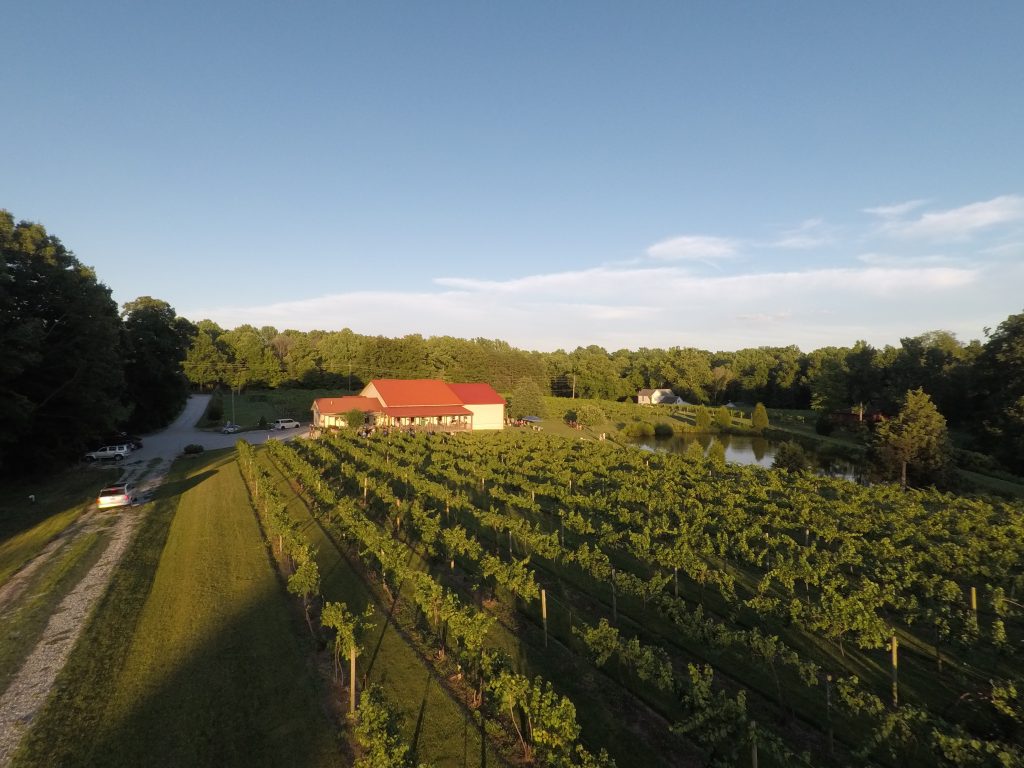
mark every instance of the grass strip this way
{"type": "Point", "coordinates": [441, 733]}
{"type": "Point", "coordinates": [25, 621]}
{"type": "Point", "coordinates": [191, 657]}
{"type": "Point", "coordinates": [27, 527]}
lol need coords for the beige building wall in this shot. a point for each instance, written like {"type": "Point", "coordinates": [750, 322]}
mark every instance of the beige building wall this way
{"type": "Point", "coordinates": [487, 416]}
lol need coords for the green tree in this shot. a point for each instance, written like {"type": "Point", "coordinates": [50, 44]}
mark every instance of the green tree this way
{"type": "Point", "coordinates": [205, 360]}
{"type": "Point", "coordinates": [355, 418]}
{"type": "Point", "coordinates": [1000, 395]}
{"type": "Point", "coordinates": [917, 437]}
{"type": "Point", "coordinates": [791, 457]}
{"type": "Point", "coordinates": [702, 419]}
{"type": "Point", "coordinates": [723, 419]}
{"type": "Point", "coordinates": [590, 415]}
{"type": "Point", "coordinates": [526, 399]}
{"type": "Point", "coordinates": [759, 419]}
{"type": "Point", "coordinates": [156, 342]}
{"type": "Point", "coordinates": [61, 372]}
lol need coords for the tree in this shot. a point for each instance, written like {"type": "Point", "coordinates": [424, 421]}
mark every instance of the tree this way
{"type": "Point", "coordinates": [526, 399]}
{"type": "Point", "coordinates": [791, 457]}
{"type": "Point", "coordinates": [916, 437]}
{"type": "Point", "coordinates": [156, 342]}
{"type": "Point", "coordinates": [355, 419]}
{"type": "Point", "coordinates": [61, 372]}
{"type": "Point", "coordinates": [702, 419]}
{"type": "Point", "coordinates": [205, 360]}
{"type": "Point", "coordinates": [723, 418]}
{"type": "Point", "coordinates": [590, 415]}
{"type": "Point", "coordinates": [759, 419]}
{"type": "Point", "coordinates": [1000, 397]}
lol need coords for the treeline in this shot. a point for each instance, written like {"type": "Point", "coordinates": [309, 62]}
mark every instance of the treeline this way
{"type": "Point", "coordinates": [74, 369]}
{"type": "Point", "coordinates": [976, 386]}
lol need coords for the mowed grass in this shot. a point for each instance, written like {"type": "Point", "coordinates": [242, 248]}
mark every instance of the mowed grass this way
{"type": "Point", "coordinates": [441, 733]}
{"type": "Point", "coordinates": [60, 499]}
{"type": "Point", "coordinates": [193, 656]}
{"type": "Point", "coordinates": [270, 404]}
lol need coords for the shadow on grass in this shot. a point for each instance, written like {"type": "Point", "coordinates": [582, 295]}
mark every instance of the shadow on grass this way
{"type": "Point", "coordinates": [241, 699]}
{"type": "Point", "coordinates": [175, 488]}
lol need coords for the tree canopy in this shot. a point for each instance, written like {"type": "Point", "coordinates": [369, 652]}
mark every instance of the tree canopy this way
{"type": "Point", "coordinates": [916, 438]}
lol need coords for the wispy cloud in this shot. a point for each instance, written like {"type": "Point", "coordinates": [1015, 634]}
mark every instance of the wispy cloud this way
{"type": "Point", "coordinates": [902, 260]}
{"type": "Point", "coordinates": [693, 248]}
{"type": "Point", "coordinates": [897, 210]}
{"type": "Point", "coordinates": [660, 306]}
{"type": "Point", "coordinates": [961, 223]}
{"type": "Point", "coordinates": [812, 233]}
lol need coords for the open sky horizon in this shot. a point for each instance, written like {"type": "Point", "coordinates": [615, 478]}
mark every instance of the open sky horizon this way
{"type": "Point", "coordinates": [655, 174]}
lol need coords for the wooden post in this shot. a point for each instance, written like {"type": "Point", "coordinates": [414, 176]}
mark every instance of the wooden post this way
{"type": "Point", "coordinates": [828, 713]}
{"type": "Point", "coordinates": [509, 543]}
{"type": "Point", "coordinates": [533, 497]}
{"type": "Point", "coordinates": [895, 672]}
{"type": "Point", "coordinates": [675, 579]}
{"type": "Point", "coordinates": [544, 613]}
{"type": "Point", "coordinates": [366, 486]}
{"type": "Point", "coordinates": [974, 603]}
{"type": "Point", "coordinates": [615, 609]}
{"type": "Point", "coordinates": [753, 744]}
{"type": "Point", "coordinates": [352, 680]}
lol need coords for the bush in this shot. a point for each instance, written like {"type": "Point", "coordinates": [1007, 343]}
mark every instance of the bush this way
{"type": "Point", "coordinates": [824, 425]}
{"type": "Point", "coordinates": [193, 448]}
{"type": "Point", "coordinates": [215, 408]}
{"type": "Point", "coordinates": [791, 457]}
{"type": "Point", "coordinates": [262, 423]}
{"type": "Point", "coordinates": [661, 429]}
{"type": "Point", "coordinates": [702, 419]}
{"type": "Point", "coordinates": [639, 429]}
{"type": "Point", "coordinates": [723, 418]}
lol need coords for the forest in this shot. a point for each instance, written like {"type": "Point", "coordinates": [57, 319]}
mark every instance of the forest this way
{"type": "Point", "coordinates": [76, 367]}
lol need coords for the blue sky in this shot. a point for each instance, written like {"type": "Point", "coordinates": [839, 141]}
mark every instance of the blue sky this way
{"type": "Point", "coordinates": [718, 175]}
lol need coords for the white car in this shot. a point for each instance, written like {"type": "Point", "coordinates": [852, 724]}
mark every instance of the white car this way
{"type": "Point", "coordinates": [230, 429]}
{"type": "Point", "coordinates": [284, 424]}
{"type": "Point", "coordinates": [109, 453]}
{"type": "Point", "coordinates": [122, 495]}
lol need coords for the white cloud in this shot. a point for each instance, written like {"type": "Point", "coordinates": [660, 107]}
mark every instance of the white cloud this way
{"type": "Point", "coordinates": [897, 210]}
{"type": "Point", "coordinates": [693, 248]}
{"type": "Point", "coordinates": [640, 307]}
{"type": "Point", "coordinates": [810, 234]}
{"type": "Point", "coordinates": [961, 223]}
{"type": "Point", "coordinates": [899, 260]}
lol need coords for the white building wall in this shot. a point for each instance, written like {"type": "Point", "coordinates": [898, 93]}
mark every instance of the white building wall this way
{"type": "Point", "coordinates": [487, 416]}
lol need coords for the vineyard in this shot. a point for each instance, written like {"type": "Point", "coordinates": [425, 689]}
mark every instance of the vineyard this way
{"type": "Point", "coordinates": [594, 605]}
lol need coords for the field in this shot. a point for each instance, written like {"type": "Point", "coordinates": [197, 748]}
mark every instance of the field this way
{"type": "Point", "coordinates": [533, 599]}
{"type": "Point", "coordinates": [193, 656]}
{"type": "Point", "coordinates": [269, 404]}
{"type": "Point", "coordinates": [687, 601]}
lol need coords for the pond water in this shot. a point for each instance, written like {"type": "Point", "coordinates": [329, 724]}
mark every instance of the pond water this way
{"type": "Point", "coordinates": [741, 449]}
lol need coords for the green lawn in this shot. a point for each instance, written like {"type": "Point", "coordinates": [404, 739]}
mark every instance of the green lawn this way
{"type": "Point", "coordinates": [193, 656]}
{"type": "Point", "coordinates": [270, 404]}
{"type": "Point", "coordinates": [27, 527]}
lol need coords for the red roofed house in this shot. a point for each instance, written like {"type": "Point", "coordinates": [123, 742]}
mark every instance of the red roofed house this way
{"type": "Point", "coordinates": [331, 411]}
{"type": "Point", "coordinates": [418, 403]}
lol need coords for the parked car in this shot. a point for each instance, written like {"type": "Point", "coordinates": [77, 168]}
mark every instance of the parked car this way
{"type": "Point", "coordinates": [284, 424]}
{"type": "Point", "coordinates": [117, 496]}
{"type": "Point", "coordinates": [229, 428]}
{"type": "Point", "coordinates": [116, 438]}
{"type": "Point", "coordinates": [109, 453]}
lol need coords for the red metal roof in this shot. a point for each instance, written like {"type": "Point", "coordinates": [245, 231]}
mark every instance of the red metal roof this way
{"type": "Point", "coordinates": [332, 405]}
{"type": "Point", "coordinates": [413, 411]}
{"type": "Point", "coordinates": [477, 394]}
{"type": "Point", "coordinates": [405, 392]}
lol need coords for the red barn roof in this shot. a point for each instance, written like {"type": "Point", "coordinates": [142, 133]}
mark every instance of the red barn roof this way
{"type": "Point", "coordinates": [477, 394]}
{"type": "Point", "coordinates": [405, 392]}
{"type": "Point", "coordinates": [332, 405]}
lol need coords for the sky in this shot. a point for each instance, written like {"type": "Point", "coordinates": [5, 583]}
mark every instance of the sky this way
{"type": "Point", "coordinates": [652, 174]}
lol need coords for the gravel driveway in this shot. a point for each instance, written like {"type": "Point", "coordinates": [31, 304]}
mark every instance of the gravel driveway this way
{"type": "Point", "coordinates": [29, 689]}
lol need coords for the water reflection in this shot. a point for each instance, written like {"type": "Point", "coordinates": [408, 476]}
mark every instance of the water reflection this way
{"type": "Point", "coordinates": [746, 449]}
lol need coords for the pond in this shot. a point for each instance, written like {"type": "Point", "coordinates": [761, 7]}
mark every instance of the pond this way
{"type": "Point", "coordinates": [744, 449]}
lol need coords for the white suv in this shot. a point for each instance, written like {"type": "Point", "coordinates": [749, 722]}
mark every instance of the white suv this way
{"type": "Point", "coordinates": [284, 424]}
{"type": "Point", "coordinates": [109, 452]}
